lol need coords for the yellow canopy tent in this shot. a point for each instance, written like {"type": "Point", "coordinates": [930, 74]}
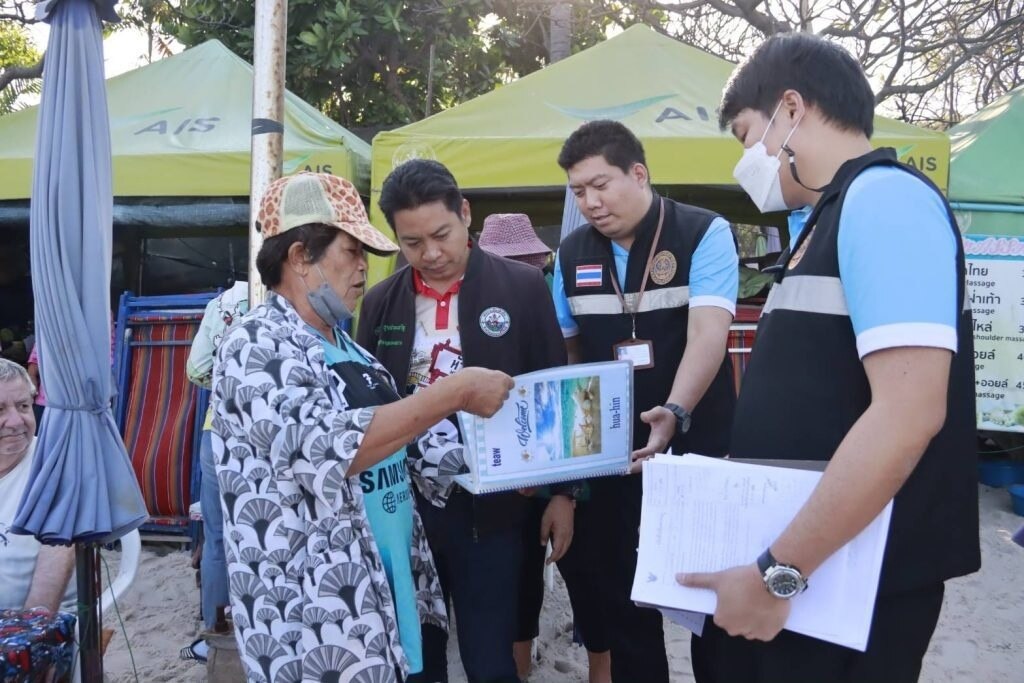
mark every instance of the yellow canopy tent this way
{"type": "Point", "coordinates": [507, 141]}
{"type": "Point", "coordinates": [180, 127]}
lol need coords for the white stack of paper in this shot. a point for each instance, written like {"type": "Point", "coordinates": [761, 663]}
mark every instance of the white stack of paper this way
{"type": "Point", "coordinates": [706, 514]}
{"type": "Point", "coordinates": [563, 424]}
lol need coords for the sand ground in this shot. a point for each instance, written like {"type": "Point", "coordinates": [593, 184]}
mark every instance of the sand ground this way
{"type": "Point", "coordinates": [980, 636]}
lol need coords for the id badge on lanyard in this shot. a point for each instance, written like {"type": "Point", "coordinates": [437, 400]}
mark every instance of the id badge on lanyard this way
{"type": "Point", "coordinates": [638, 351]}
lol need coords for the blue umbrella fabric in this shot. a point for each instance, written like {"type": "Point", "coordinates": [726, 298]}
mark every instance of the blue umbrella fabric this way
{"type": "Point", "coordinates": [82, 486]}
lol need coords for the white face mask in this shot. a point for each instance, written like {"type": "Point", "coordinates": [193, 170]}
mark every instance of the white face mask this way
{"type": "Point", "coordinates": [758, 172]}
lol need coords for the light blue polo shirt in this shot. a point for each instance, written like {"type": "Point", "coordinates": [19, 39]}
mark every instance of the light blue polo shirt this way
{"type": "Point", "coordinates": [714, 275]}
{"type": "Point", "coordinates": [387, 495]}
{"type": "Point", "coordinates": [897, 262]}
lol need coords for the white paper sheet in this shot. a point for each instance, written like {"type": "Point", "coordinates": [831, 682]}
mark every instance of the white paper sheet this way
{"type": "Point", "coordinates": [706, 514]}
{"type": "Point", "coordinates": [563, 424]}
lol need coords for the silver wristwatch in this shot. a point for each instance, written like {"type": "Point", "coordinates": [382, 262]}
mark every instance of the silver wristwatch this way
{"type": "Point", "coordinates": [781, 580]}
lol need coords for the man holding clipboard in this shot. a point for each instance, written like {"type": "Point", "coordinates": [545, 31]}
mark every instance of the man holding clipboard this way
{"type": "Point", "coordinates": [863, 359]}
{"type": "Point", "coordinates": [653, 281]}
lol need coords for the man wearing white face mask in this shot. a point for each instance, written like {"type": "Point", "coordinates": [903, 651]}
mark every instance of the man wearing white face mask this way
{"type": "Point", "coordinates": [864, 359]}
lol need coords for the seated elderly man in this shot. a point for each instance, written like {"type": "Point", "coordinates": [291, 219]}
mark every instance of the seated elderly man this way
{"type": "Point", "coordinates": [31, 575]}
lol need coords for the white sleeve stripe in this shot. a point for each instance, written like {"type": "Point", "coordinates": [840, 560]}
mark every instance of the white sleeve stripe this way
{"type": "Point", "coordinates": [711, 300]}
{"type": "Point", "coordinates": [570, 332]}
{"type": "Point", "coordinates": [895, 335]}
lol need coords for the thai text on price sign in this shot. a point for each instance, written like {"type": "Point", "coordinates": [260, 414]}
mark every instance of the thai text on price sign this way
{"type": "Point", "coordinates": [995, 287]}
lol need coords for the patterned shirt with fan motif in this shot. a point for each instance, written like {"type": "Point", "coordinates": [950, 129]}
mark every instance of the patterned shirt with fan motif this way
{"type": "Point", "coordinates": [309, 591]}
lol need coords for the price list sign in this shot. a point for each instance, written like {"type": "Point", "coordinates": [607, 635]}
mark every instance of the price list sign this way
{"type": "Point", "coordinates": [995, 286]}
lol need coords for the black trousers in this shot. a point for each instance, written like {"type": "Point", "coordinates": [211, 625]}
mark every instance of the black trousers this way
{"type": "Point", "coordinates": [580, 570]}
{"type": "Point", "coordinates": [479, 574]}
{"type": "Point", "coordinates": [900, 632]}
{"type": "Point", "coordinates": [635, 634]}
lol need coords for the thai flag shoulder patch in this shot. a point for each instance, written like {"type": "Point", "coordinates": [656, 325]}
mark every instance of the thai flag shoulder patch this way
{"type": "Point", "coordinates": [589, 276]}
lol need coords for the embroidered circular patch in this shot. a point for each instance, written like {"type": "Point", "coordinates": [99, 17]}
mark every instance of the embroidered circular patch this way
{"type": "Point", "coordinates": [495, 321]}
{"type": "Point", "coordinates": [795, 259]}
{"type": "Point", "coordinates": [663, 269]}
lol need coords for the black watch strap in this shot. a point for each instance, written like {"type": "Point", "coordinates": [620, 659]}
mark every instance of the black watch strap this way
{"type": "Point", "coordinates": [683, 417]}
{"type": "Point", "coordinates": [765, 561]}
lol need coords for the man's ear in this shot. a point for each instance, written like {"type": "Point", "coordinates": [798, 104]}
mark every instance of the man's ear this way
{"type": "Point", "coordinates": [640, 174]}
{"type": "Point", "coordinates": [298, 259]}
{"type": "Point", "coordinates": [467, 215]}
{"type": "Point", "coordinates": [793, 106]}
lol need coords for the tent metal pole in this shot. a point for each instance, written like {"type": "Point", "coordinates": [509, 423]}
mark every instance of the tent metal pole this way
{"type": "Point", "coordinates": [987, 207]}
{"type": "Point", "coordinates": [267, 120]}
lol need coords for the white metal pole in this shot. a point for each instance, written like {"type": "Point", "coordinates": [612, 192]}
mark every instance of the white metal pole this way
{"type": "Point", "coordinates": [267, 120]}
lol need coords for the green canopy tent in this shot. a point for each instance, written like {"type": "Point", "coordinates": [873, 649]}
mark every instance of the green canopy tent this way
{"type": "Point", "coordinates": [502, 146]}
{"type": "Point", "coordinates": [180, 133]}
{"type": "Point", "coordinates": [985, 183]}
{"type": "Point", "coordinates": [986, 189]}
{"type": "Point", "coordinates": [180, 127]}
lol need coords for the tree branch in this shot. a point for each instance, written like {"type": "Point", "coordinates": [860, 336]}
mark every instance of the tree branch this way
{"type": "Point", "coordinates": [21, 73]}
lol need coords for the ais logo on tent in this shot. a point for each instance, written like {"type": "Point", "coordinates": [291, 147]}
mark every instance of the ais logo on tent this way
{"type": "Point", "coordinates": [921, 163]}
{"type": "Point", "coordinates": [300, 164]}
{"type": "Point", "coordinates": [621, 111]}
{"type": "Point", "coordinates": [615, 112]}
{"type": "Point", "coordinates": [175, 125]}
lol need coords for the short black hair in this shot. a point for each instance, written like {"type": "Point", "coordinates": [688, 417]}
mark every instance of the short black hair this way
{"type": "Point", "coordinates": [417, 182]}
{"type": "Point", "coordinates": [314, 237]}
{"type": "Point", "coordinates": [825, 75]}
{"type": "Point", "coordinates": [609, 139]}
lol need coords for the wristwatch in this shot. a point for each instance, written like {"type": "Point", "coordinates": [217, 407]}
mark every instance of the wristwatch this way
{"type": "Point", "coordinates": [683, 417]}
{"type": "Point", "coordinates": [570, 489]}
{"type": "Point", "coordinates": [781, 580]}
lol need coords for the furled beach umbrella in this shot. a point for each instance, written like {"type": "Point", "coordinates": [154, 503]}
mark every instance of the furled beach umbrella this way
{"type": "Point", "coordinates": [82, 488]}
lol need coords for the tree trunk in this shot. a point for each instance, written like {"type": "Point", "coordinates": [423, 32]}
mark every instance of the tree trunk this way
{"type": "Point", "coordinates": [560, 31]}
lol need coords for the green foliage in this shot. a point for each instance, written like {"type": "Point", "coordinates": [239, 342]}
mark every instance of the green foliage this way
{"type": "Point", "coordinates": [16, 49]}
{"type": "Point", "coordinates": [362, 62]}
{"type": "Point", "coordinates": [366, 62]}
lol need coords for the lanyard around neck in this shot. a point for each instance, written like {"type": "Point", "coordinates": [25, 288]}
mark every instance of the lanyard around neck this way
{"type": "Point", "coordinates": [647, 272]}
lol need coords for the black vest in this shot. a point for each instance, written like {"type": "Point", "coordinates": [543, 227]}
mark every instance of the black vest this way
{"type": "Point", "coordinates": [663, 317]}
{"type": "Point", "coordinates": [805, 387]}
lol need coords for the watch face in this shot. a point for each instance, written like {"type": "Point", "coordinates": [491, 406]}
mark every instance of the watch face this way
{"type": "Point", "coordinates": [784, 582]}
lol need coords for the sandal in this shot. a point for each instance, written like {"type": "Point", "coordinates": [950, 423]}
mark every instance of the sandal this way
{"type": "Point", "coordinates": [189, 653]}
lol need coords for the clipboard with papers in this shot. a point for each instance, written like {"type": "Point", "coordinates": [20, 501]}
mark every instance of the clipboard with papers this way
{"type": "Point", "coordinates": [563, 424]}
{"type": "Point", "coordinates": [707, 514]}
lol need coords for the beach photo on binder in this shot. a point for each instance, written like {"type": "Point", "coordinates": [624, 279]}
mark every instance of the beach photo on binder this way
{"type": "Point", "coordinates": [563, 424]}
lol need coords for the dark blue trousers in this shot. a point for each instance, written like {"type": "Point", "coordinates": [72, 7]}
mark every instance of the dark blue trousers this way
{"type": "Point", "coordinates": [479, 575]}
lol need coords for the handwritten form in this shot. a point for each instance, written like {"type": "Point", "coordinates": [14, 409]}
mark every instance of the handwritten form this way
{"type": "Point", "coordinates": [707, 514]}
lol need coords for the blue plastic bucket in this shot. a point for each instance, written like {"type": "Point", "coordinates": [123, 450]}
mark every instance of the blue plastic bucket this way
{"type": "Point", "coordinates": [1017, 498]}
{"type": "Point", "coordinates": [999, 473]}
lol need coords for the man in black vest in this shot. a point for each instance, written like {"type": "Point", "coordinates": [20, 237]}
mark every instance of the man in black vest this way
{"type": "Point", "coordinates": [864, 359]}
{"type": "Point", "coordinates": [456, 305]}
{"type": "Point", "coordinates": [654, 281]}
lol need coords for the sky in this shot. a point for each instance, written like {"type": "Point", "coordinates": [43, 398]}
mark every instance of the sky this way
{"type": "Point", "coordinates": [123, 50]}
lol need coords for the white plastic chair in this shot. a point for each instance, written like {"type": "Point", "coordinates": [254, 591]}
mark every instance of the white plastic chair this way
{"type": "Point", "coordinates": [131, 549]}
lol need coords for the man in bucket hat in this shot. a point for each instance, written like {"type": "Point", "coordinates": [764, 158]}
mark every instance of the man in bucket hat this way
{"type": "Point", "coordinates": [512, 235]}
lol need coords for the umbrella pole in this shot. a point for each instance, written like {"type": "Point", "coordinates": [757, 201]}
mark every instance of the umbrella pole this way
{"type": "Point", "coordinates": [87, 567]}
